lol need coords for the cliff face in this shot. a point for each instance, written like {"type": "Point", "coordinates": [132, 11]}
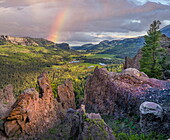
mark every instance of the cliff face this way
{"type": "Point", "coordinates": [116, 93]}
{"type": "Point", "coordinates": [24, 41]}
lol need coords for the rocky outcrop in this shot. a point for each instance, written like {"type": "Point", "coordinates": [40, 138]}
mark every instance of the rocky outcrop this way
{"type": "Point", "coordinates": [133, 62]}
{"type": "Point", "coordinates": [66, 95]}
{"type": "Point", "coordinates": [154, 118]}
{"type": "Point", "coordinates": [24, 41]}
{"type": "Point", "coordinates": [119, 93]}
{"type": "Point", "coordinates": [79, 125]}
{"type": "Point", "coordinates": [6, 100]}
{"type": "Point", "coordinates": [34, 112]}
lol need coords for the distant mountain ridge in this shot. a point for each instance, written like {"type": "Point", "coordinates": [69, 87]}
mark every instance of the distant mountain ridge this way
{"type": "Point", "coordinates": [120, 48]}
{"type": "Point", "coordinates": [166, 30]}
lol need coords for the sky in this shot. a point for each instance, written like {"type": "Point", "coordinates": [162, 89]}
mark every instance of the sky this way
{"type": "Point", "coordinates": [80, 22]}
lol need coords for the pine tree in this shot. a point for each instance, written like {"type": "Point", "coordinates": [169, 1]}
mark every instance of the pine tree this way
{"type": "Point", "coordinates": [151, 61]}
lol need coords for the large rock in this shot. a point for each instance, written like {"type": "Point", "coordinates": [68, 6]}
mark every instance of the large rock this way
{"type": "Point", "coordinates": [6, 100]}
{"type": "Point", "coordinates": [118, 93]}
{"type": "Point", "coordinates": [66, 95]}
{"type": "Point", "coordinates": [151, 108]}
{"type": "Point", "coordinates": [34, 112]}
{"type": "Point", "coordinates": [154, 118]}
{"type": "Point", "coordinates": [133, 62]}
{"type": "Point", "coordinates": [79, 125]}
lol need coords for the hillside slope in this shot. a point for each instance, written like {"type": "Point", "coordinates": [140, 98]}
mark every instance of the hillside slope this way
{"type": "Point", "coordinates": [20, 65]}
{"type": "Point", "coordinates": [119, 48]}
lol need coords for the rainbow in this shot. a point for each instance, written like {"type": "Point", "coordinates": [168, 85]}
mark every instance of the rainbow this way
{"type": "Point", "coordinates": [58, 25]}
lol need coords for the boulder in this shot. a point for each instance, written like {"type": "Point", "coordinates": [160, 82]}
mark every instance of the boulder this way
{"type": "Point", "coordinates": [34, 112]}
{"type": "Point", "coordinates": [66, 95]}
{"type": "Point", "coordinates": [111, 93]}
{"type": "Point", "coordinates": [153, 118]}
{"type": "Point", "coordinates": [6, 100]}
{"type": "Point", "coordinates": [151, 108]}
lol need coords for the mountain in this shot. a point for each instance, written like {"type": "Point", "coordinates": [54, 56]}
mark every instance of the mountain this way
{"type": "Point", "coordinates": [127, 47]}
{"type": "Point", "coordinates": [24, 41]}
{"type": "Point", "coordinates": [120, 48]}
{"type": "Point", "coordinates": [166, 30]}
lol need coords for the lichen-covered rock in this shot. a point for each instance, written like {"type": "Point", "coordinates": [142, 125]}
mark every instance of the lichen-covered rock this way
{"type": "Point", "coordinates": [66, 95]}
{"type": "Point", "coordinates": [33, 112]}
{"type": "Point", "coordinates": [6, 100]}
{"type": "Point", "coordinates": [153, 118]}
{"type": "Point", "coordinates": [110, 93]}
{"type": "Point", "coordinates": [79, 125]}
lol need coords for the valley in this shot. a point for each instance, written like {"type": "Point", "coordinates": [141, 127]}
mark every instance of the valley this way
{"type": "Point", "coordinates": [91, 68]}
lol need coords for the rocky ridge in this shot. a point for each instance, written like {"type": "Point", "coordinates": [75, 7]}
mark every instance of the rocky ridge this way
{"type": "Point", "coordinates": [116, 93]}
{"type": "Point", "coordinates": [36, 114]}
{"type": "Point", "coordinates": [24, 41]}
{"type": "Point", "coordinates": [33, 112]}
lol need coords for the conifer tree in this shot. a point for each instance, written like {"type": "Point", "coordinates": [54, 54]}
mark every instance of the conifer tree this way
{"type": "Point", "coordinates": [151, 61]}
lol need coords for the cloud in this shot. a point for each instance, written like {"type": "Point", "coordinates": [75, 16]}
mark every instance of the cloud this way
{"type": "Point", "coordinates": [140, 2]}
{"type": "Point", "coordinates": [84, 18]}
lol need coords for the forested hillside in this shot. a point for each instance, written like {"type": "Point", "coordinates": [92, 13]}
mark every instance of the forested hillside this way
{"type": "Point", "coordinates": [21, 65]}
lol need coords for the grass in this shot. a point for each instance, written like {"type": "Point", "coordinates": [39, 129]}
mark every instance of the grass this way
{"type": "Point", "coordinates": [129, 129]}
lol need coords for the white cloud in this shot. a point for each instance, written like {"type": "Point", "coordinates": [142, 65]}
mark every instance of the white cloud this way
{"type": "Point", "coordinates": [166, 22]}
{"type": "Point", "coordinates": [135, 21]}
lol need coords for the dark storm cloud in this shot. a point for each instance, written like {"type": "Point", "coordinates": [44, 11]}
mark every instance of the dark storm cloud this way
{"type": "Point", "coordinates": [35, 18]}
